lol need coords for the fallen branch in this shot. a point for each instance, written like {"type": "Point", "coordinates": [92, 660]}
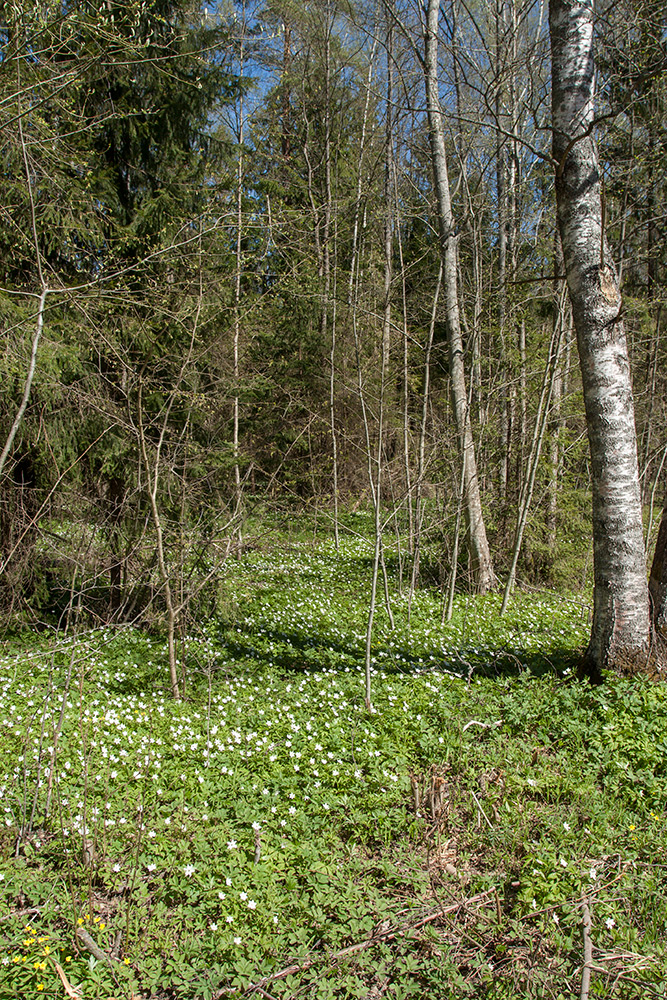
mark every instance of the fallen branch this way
{"type": "Point", "coordinates": [588, 949]}
{"type": "Point", "coordinates": [647, 989]}
{"type": "Point", "coordinates": [479, 806]}
{"type": "Point", "coordinates": [499, 912]}
{"type": "Point", "coordinates": [70, 991]}
{"type": "Point", "coordinates": [353, 949]}
{"type": "Point", "coordinates": [573, 902]}
{"type": "Point", "coordinates": [21, 913]}
{"type": "Point", "coordinates": [483, 725]}
{"type": "Point", "coordinates": [90, 945]}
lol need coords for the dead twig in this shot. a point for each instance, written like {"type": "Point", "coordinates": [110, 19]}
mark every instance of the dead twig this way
{"type": "Point", "coordinates": [483, 725]}
{"type": "Point", "coordinates": [572, 902]}
{"type": "Point", "coordinates": [90, 945]}
{"type": "Point", "coordinates": [588, 949]}
{"type": "Point", "coordinates": [479, 806]}
{"type": "Point", "coordinates": [20, 913]}
{"type": "Point", "coordinates": [354, 949]}
{"type": "Point", "coordinates": [627, 978]}
{"type": "Point", "coordinates": [70, 991]}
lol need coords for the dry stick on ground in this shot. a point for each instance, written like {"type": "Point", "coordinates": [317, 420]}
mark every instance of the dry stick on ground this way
{"type": "Point", "coordinates": [21, 913]}
{"type": "Point", "coordinates": [479, 806]}
{"type": "Point", "coordinates": [648, 989]}
{"type": "Point", "coordinates": [462, 932]}
{"type": "Point", "coordinates": [353, 949]}
{"type": "Point", "coordinates": [588, 949]}
{"type": "Point", "coordinates": [84, 938]}
{"type": "Point", "coordinates": [484, 725]}
{"type": "Point", "coordinates": [70, 991]}
{"type": "Point", "coordinates": [572, 902]}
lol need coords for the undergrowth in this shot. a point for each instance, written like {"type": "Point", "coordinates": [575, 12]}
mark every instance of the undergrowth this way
{"type": "Point", "coordinates": [269, 836]}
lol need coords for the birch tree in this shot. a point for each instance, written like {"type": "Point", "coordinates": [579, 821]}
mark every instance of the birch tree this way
{"type": "Point", "coordinates": [621, 629]}
{"type": "Point", "coordinates": [481, 554]}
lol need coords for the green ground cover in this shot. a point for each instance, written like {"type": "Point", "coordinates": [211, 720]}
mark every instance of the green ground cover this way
{"type": "Point", "coordinates": [268, 837]}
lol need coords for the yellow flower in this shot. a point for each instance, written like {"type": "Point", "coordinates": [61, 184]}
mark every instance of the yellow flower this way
{"type": "Point", "coordinates": [87, 916]}
{"type": "Point", "coordinates": [40, 986]}
{"type": "Point", "coordinates": [36, 965]}
{"type": "Point", "coordinates": [16, 958]}
{"type": "Point", "coordinates": [69, 958]}
{"type": "Point", "coordinates": [126, 961]}
{"type": "Point", "coordinates": [102, 925]}
{"type": "Point", "coordinates": [80, 921]}
{"type": "Point", "coordinates": [47, 950]}
{"type": "Point", "coordinates": [96, 920]}
{"type": "Point", "coordinates": [42, 939]}
{"type": "Point", "coordinates": [632, 826]}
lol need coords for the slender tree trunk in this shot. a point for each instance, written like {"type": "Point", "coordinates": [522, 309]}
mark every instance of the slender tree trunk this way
{"type": "Point", "coordinates": [326, 266]}
{"type": "Point", "coordinates": [621, 629]}
{"type": "Point", "coordinates": [286, 123]}
{"type": "Point", "coordinates": [115, 499]}
{"type": "Point", "coordinates": [39, 326]}
{"type": "Point", "coordinates": [481, 555]}
{"type": "Point", "coordinates": [652, 375]}
{"type": "Point", "coordinates": [503, 230]}
{"type": "Point", "coordinates": [528, 483]}
{"type": "Point", "coordinates": [422, 435]}
{"type": "Point", "coordinates": [651, 506]}
{"type": "Point", "coordinates": [152, 488]}
{"type": "Point", "coordinates": [44, 290]}
{"type": "Point", "coordinates": [523, 399]}
{"type": "Point", "coordinates": [658, 578]}
{"type": "Point", "coordinates": [557, 424]}
{"type": "Point", "coordinates": [353, 306]}
{"type": "Point", "coordinates": [237, 294]}
{"type": "Point", "coordinates": [332, 396]}
{"type": "Point", "coordinates": [448, 604]}
{"type": "Point", "coordinates": [406, 374]}
{"type": "Point", "coordinates": [386, 320]}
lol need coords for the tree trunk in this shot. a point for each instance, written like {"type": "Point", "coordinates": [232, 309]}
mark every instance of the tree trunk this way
{"type": "Point", "coordinates": [238, 274]}
{"type": "Point", "coordinates": [481, 555]}
{"type": "Point", "coordinates": [621, 630]}
{"type": "Point", "coordinates": [658, 578]}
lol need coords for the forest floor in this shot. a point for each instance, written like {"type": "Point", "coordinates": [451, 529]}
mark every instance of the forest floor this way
{"type": "Point", "coordinates": [491, 825]}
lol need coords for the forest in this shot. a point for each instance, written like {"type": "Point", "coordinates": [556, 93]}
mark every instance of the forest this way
{"type": "Point", "coordinates": [332, 410]}
{"type": "Point", "coordinates": [226, 289]}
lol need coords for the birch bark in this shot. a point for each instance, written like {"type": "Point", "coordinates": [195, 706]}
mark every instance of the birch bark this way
{"type": "Point", "coordinates": [481, 555]}
{"type": "Point", "coordinates": [621, 629]}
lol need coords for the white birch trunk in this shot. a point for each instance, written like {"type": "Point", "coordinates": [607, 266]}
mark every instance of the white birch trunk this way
{"type": "Point", "coordinates": [481, 555]}
{"type": "Point", "coordinates": [621, 630]}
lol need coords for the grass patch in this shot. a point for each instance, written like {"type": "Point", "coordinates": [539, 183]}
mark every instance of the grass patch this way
{"type": "Point", "coordinates": [267, 826]}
